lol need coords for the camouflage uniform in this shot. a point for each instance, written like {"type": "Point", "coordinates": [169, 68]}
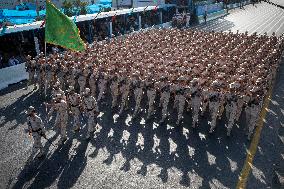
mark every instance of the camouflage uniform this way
{"type": "Point", "coordinates": [36, 129]}
{"type": "Point", "coordinates": [151, 94]}
{"type": "Point", "coordinates": [114, 88]}
{"type": "Point", "coordinates": [231, 112]}
{"type": "Point", "coordinates": [214, 104]}
{"type": "Point", "coordinates": [102, 88]}
{"type": "Point", "coordinates": [91, 110]}
{"type": "Point", "coordinates": [138, 93]}
{"type": "Point", "coordinates": [179, 104]}
{"type": "Point", "coordinates": [252, 113]}
{"type": "Point", "coordinates": [195, 104]}
{"type": "Point", "coordinates": [61, 107]}
{"type": "Point", "coordinates": [205, 101]}
{"type": "Point", "coordinates": [74, 101]}
{"type": "Point", "coordinates": [82, 80]}
{"type": "Point", "coordinates": [30, 68]}
{"type": "Point", "coordinates": [93, 83]}
{"type": "Point", "coordinates": [164, 100]}
{"type": "Point", "coordinates": [124, 91]}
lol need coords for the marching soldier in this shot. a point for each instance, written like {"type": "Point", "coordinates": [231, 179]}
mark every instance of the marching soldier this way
{"type": "Point", "coordinates": [114, 88]}
{"type": "Point", "coordinates": [252, 112]}
{"type": "Point", "coordinates": [222, 104]}
{"type": "Point", "coordinates": [205, 100]}
{"type": "Point", "coordinates": [124, 91]}
{"type": "Point", "coordinates": [83, 73]}
{"type": "Point", "coordinates": [231, 112]}
{"type": "Point", "coordinates": [195, 104]}
{"type": "Point", "coordinates": [138, 93]}
{"type": "Point", "coordinates": [93, 83]}
{"type": "Point", "coordinates": [61, 108]}
{"type": "Point", "coordinates": [54, 73]}
{"type": "Point", "coordinates": [242, 100]}
{"type": "Point", "coordinates": [91, 110]}
{"type": "Point", "coordinates": [180, 103]}
{"type": "Point", "coordinates": [102, 87]}
{"type": "Point", "coordinates": [151, 95]}
{"type": "Point", "coordinates": [36, 130]}
{"type": "Point", "coordinates": [61, 75]}
{"type": "Point", "coordinates": [74, 101]}
{"type": "Point", "coordinates": [30, 68]}
{"type": "Point", "coordinates": [65, 74]}
{"type": "Point", "coordinates": [213, 109]}
{"type": "Point", "coordinates": [71, 80]}
{"type": "Point", "coordinates": [165, 98]}
{"type": "Point", "coordinates": [57, 90]}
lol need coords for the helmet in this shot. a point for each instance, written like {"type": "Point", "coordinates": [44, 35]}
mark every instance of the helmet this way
{"type": "Point", "coordinates": [71, 89]}
{"type": "Point", "coordinates": [57, 84]}
{"type": "Point", "coordinates": [58, 96]}
{"type": "Point", "coordinates": [87, 91]}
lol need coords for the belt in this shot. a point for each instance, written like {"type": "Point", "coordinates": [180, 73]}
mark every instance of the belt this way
{"type": "Point", "coordinates": [35, 131]}
{"type": "Point", "coordinates": [74, 105]}
{"type": "Point", "coordinates": [90, 109]}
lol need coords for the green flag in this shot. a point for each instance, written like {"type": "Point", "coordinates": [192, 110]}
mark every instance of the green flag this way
{"type": "Point", "coordinates": [60, 30]}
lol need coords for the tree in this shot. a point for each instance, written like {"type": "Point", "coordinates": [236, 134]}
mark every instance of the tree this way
{"type": "Point", "coordinates": [67, 7]}
{"type": "Point", "coordinates": [82, 6]}
{"type": "Point", "coordinates": [75, 7]}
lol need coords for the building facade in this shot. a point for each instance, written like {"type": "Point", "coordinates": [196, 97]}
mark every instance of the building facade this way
{"type": "Point", "coordinates": [11, 4]}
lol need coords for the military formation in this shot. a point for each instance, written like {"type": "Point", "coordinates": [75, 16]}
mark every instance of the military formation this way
{"type": "Point", "coordinates": [192, 71]}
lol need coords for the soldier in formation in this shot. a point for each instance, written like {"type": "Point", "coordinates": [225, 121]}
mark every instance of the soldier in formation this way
{"type": "Point", "coordinates": [206, 73]}
{"type": "Point", "coordinates": [36, 130]}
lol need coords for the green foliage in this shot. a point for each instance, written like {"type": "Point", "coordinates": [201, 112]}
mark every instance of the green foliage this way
{"type": "Point", "coordinates": [74, 7]}
{"type": "Point", "coordinates": [67, 7]}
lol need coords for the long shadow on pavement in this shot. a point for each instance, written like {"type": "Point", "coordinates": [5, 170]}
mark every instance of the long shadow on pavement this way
{"type": "Point", "coordinates": [204, 160]}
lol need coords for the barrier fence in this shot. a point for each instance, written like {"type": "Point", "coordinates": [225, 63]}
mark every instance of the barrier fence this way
{"type": "Point", "coordinates": [13, 74]}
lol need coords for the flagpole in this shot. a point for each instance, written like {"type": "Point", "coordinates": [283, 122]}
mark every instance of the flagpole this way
{"type": "Point", "coordinates": [45, 87]}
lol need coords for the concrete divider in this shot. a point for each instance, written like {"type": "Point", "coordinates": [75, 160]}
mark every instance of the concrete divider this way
{"type": "Point", "coordinates": [13, 74]}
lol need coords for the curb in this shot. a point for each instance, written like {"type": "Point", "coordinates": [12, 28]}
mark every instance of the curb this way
{"type": "Point", "coordinates": [268, 1]}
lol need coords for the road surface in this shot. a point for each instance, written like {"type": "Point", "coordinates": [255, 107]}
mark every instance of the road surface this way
{"type": "Point", "coordinates": [126, 153]}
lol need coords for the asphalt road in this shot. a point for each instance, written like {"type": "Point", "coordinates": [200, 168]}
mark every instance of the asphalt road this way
{"type": "Point", "coordinates": [260, 18]}
{"type": "Point", "coordinates": [126, 153]}
{"type": "Point", "coordinates": [277, 2]}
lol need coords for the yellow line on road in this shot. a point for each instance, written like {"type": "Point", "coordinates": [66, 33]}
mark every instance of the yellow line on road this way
{"type": "Point", "coordinates": [253, 145]}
